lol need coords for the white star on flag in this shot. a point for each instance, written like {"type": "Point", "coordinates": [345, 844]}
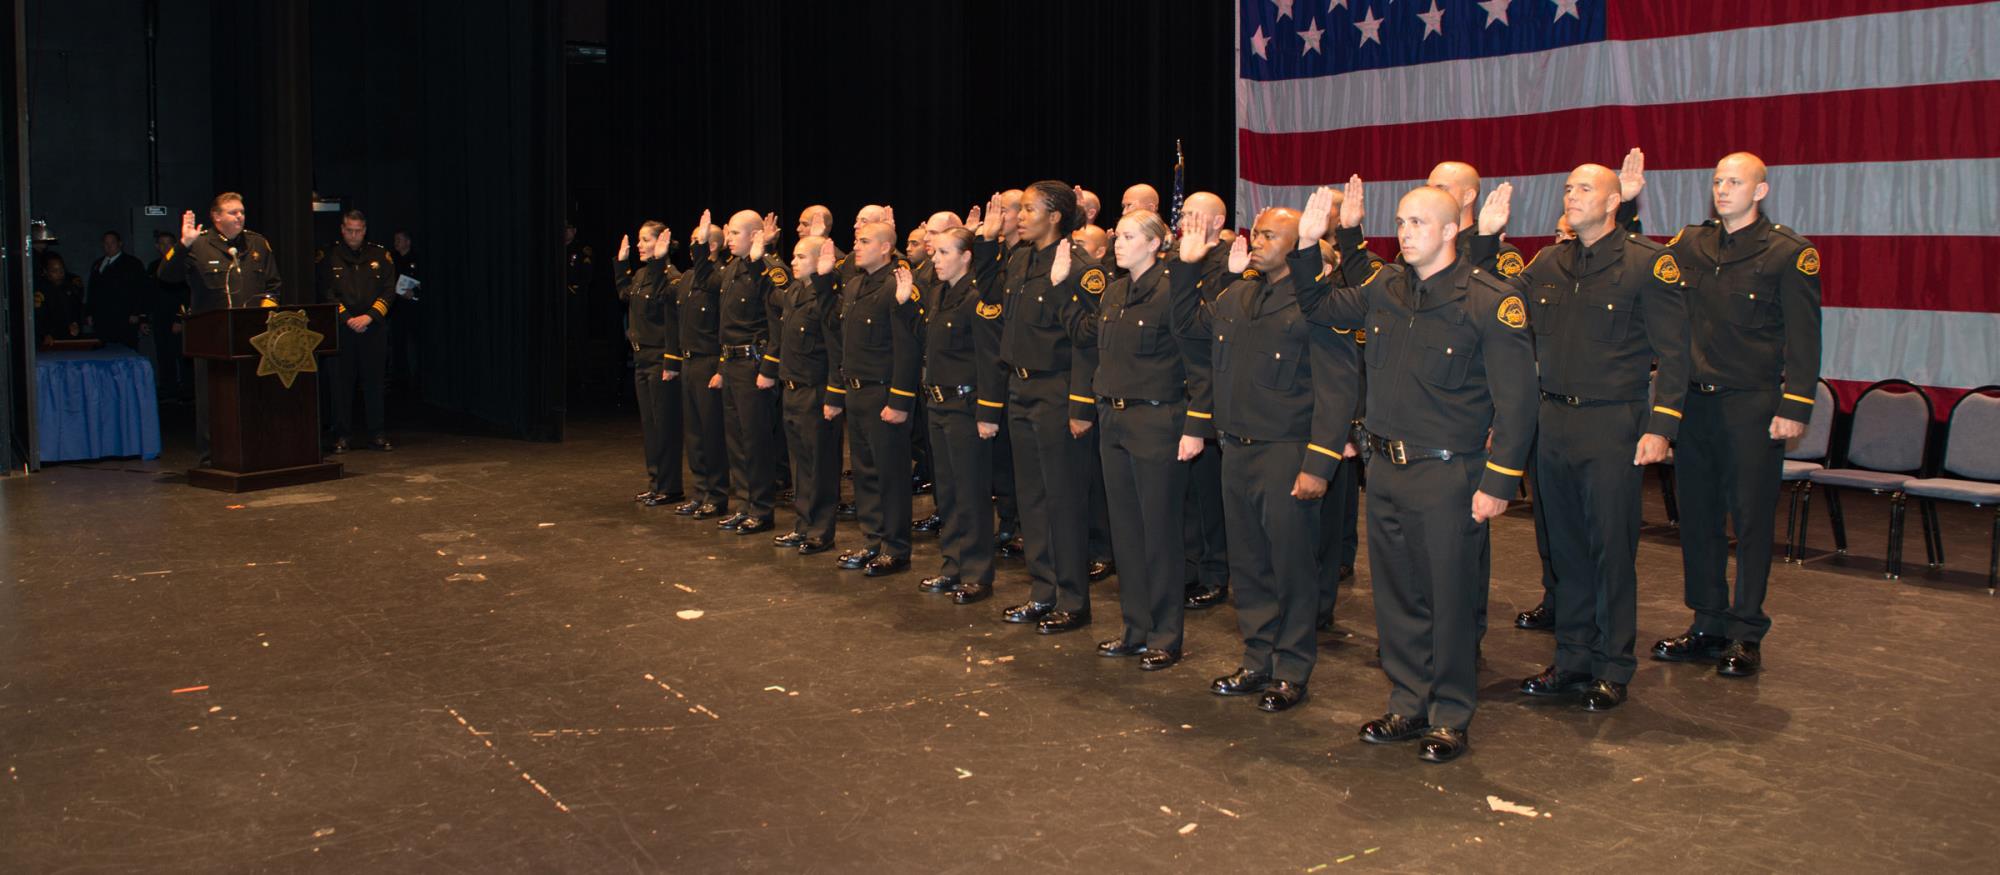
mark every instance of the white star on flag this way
{"type": "Point", "coordinates": [1433, 21]}
{"type": "Point", "coordinates": [1335, 4]}
{"type": "Point", "coordinates": [1496, 10]}
{"type": "Point", "coordinates": [1371, 27]}
{"type": "Point", "coordinates": [1311, 35]}
{"type": "Point", "coordinates": [1284, 8]}
{"type": "Point", "coordinates": [1567, 7]}
{"type": "Point", "coordinates": [1257, 43]}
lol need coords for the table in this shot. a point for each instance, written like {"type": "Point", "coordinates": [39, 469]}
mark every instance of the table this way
{"type": "Point", "coordinates": [96, 404]}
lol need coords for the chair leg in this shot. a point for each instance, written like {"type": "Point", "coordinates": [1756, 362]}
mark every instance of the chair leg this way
{"type": "Point", "coordinates": [1839, 521]}
{"type": "Point", "coordinates": [1805, 518]}
{"type": "Point", "coordinates": [1993, 554]}
{"type": "Point", "coordinates": [1893, 563]}
{"type": "Point", "coordinates": [1667, 496]}
{"type": "Point", "coordinates": [1933, 539]}
{"type": "Point", "coordinates": [1937, 531]}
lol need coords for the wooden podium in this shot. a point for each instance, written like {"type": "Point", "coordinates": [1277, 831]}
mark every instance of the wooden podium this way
{"type": "Point", "coordinates": [262, 433]}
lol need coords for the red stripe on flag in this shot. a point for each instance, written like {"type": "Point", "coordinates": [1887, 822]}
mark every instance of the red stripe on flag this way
{"type": "Point", "coordinates": [1638, 21]}
{"type": "Point", "coordinates": [1882, 273]}
{"type": "Point", "coordinates": [1918, 123]}
{"type": "Point", "coordinates": [1846, 392]}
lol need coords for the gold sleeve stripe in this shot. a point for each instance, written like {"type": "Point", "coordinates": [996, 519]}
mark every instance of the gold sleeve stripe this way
{"type": "Point", "coordinates": [1322, 450]}
{"type": "Point", "coordinates": [895, 391]}
{"type": "Point", "coordinates": [836, 391]}
{"type": "Point", "coordinates": [671, 357]}
{"type": "Point", "coordinates": [1799, 398]}
{"type": "Point", "coordinates": [1200, 415]}
{"type": "Point", "coordinates": [773, 360]}
{"type": "Point", "coordinates": [985, 403]}
{"type": "Point", "coordinates": [1082, 400]}
{"type": "Point", "coordinates": [1668, 411]}
{"type": "Point", "coordinates": [1507, 471]}
{"type": "Point", "coordinates": [381, 307]}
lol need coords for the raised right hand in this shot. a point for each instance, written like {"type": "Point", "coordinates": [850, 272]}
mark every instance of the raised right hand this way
{"type": "Point", "coordinates": [701, 230]}
{"type": "Point", "coordinates": [1239, 254]}
{"type": "Point", "coordinates": [1351, 205]}
{"type": "Point", "coordinates": [624, 247]}
{"type": "Point", "coordinates": [1493, 216]}
{"type": "Point", "coordinates": [1317, 215]}
{"type": "Point", "coordinates": [823, 265]}
{"type": "Point", "coordinates": [190, 231]}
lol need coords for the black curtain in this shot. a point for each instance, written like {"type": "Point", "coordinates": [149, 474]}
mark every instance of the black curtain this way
{"type": "Point", "coordinates": [445, 118]}
{"type": "Point", "coordinates": [772, 106]}
{"type": "Point", "coordinates": [263, 128]}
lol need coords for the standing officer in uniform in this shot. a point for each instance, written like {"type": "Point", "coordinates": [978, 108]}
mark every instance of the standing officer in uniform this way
{"type": "Point", "coordinates": [1451, 363]}
{"type": "Point", "coordinates": [1047, 408]}
{"type": "Point", "coordinates": [963, 380]}
{"type": "Point", "coordinates": [1283, 398]}
{"type": "Point", "coordinates": [799, 343]}
{"type": "Point", "coordinates": [1003, 213]}
{"type": "Point", "coordinates": [359, 277]}
{"type": "Point", "coordinates": [750, 282]}
{"type": "Point", "coordinates": [697, 310]}
{"type": "Point", "coordinates": [1205, 544]}
{"type": "Point", "coordinates": [223, 267]}
{"type": "Point", "coordinates": [875, 359]}
{"type": "Point", "coordinates": [1754, 305]}
{"type": "Point", "coordinates": [648, 289]}
{"type": "Point", "coordinates": [1605, 307]}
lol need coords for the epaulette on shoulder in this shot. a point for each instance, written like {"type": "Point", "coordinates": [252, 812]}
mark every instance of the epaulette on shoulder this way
{"type": "Point", "coordinates": [1494, 284]}
{"type": "Point", "coordinates": [1645, 242]}
{"type": "Point", "coordinates": [1790, 233]}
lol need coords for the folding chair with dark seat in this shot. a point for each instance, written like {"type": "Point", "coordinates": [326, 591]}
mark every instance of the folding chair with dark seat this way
{"type": "Point", "coordinates": [1885, 449]}
{"type": "Point", "coordinates": [1807, 454]}
{"type": "Point", "coordinates": [1971, 472]}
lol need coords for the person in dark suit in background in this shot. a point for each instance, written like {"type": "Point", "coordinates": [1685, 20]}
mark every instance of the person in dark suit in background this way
{"type": "Point", "coordinates": [114, 293]}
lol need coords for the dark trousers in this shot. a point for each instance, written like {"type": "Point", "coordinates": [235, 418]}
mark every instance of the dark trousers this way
{"type": "Point", "coordinates": [1098, 548]}
{"type": "Point", "coordinates": [701, 409]}
{"type": "Point", "coordinates": [1334, 524]}
{"type": "Point", "coordinates": [1540, 510]}
{"type": "Point", "coordinates": [963, 465]}
{"type": "Point", "coordinates": [1146, 481]}
{"type": "Point", "coordinates": [881, 454]}
{"type": "Point", "coordinates": [1350, 509]}
{"type": "Point", "coordinates": [659, 423]}
{"type": "Point", "coordinates": [1204, 546]}
{"type": "Point", "coordinates": [1725, 463]}
{"type": "Point", "coordinates": [1005, 496]}
{"type": "Point", "coordinates": [923, 466]}
{"type": "Point", "coordinates": [815, 452]}
{"type": "Point", "coordinates": [363, 357]}
{"type": "Point", "coordinates": [1271, 565]}
{"type": "Point", "coordinates": [1051, 474]}
{"type": "Point", "coordinates": [1588, 492]}
{"type": "Point", "coordinates": [749, 427]}
{"type": "Point", "coordinates": [1429, 564]}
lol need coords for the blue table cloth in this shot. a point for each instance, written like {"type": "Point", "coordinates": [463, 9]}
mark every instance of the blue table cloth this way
{"type": "Point", "coordinates": [96, 404]}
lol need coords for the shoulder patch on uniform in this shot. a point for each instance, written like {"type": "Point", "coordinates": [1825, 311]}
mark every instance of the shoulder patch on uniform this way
{"type": "Point", "coordinates": [1677, 236]}
{"type": "Point", "coordinates": [1510, 264]}
{"type": "Point", "coordinates": [1513, 313]}
{"type": "Point", "coordinates": [1666, 269]}
{"type": "Point", "coordinates": [988, 311]}
{"type": "Point", "coordinates": [1093, 281]}
{"type": "Point", "coordinates": [1809, 261]}
{"type": "Point", "coordinates": [1251, 274]}
{"type": "Point", "coordinates": [374, 264]}
{"type": "Point", "coordinates": [778, 276]}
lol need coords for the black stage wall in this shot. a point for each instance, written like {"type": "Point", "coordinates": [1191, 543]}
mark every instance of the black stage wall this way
{"type": "Point", "coordinates": [773, 106]}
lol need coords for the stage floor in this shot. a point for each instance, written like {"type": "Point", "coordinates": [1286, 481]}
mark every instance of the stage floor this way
{"type": "Point", "coordinates": [480, 655]}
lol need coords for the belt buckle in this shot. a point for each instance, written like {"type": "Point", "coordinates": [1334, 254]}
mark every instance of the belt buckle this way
{"type": "Point", "coordinates": [1021, 372]}
{"type": "Point", "coordinates": [937, 393]}
{"type": "Point", "coordinates": [1571, 400]}
{"type": "Point", "coordinates": [853, 383]}
{"type": "Point", "coordinates": [1398, 453]}
{"type": "Point", "coordinates": [1117, 404]}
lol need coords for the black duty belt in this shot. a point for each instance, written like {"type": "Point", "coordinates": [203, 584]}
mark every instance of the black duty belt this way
{"type": "Point", "coordinates": [1708, 388]}
{"type": "Point", "coordinates": [1578, 400]}
{"type": "Point", "coordinates": [1237, 439]}
{"type": "Point", "coordinates": [692, 355]}
{"type": "Point", "coordinates": [862, 384]}
{"type": "Point", "coordinates": [796, 384]}
{"type": "Point", "coordinates": [941, 394]}
{"type": "Point", "coordinates": [1026, 374]}
{"type": "Point", "coordinates": [1122, 403]}
{"type": "Point", "coordinates": [1401, 453]}
{"type": "Point", "coordinates": [742, 351]}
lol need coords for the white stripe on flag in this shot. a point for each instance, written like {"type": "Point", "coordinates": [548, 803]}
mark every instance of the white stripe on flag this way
{"type": "Point", "coordinates": [1890, 50]}
{"type": "Point", "coordinates": [1926, 347]}
{"type": "Point", "coordinates": [1888, 198]}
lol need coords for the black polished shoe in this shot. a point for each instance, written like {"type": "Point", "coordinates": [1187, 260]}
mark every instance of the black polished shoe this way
{"type": "Point", "coordinates": [1603, 695]}
{"type": "Point", "coordinates": [1538, 619]}
{"type": "Point", "coordinates": [754, 525]}
{"type": "Point", "coordinates": [1118, 647]}
{"type": "Point", "coordinates": [920, 486]}
{"type": "Point", "coordinates": [971, 591]}
{"type": "Point", "coordinates": [644, 495]}
{"type": "Point", "coordinates": [1154, 660]}
{"type": "Point", "coordinates": [940, 583]}
{"type": "Point", "coordinates": [1692, 647]}
{"type": "Point", "coordinates": [733, 520]}
{"type": "Point", "coordinates": [883, 566]}
{"type": "Point", "coordinates": [1281, 696]}
{"type": "Point", "coordinates": [1741, 660]}
{"type": "Point", "coordinates": [339, 446]}
{"type": "Point", "coordinates": [664, 498]}
{"type": "Point", "coordinates": [858, 558]}
{"type": "Point", "coordinates": [688, 507]}
{"type": "Point", "coordinates": [1556, 682]}
{"type": "Point", "coordinates": [810, 546]}
{"type": "Point", "coordinates": [789, 539]}
{"type": "Point", "coordinates": [381, 444]}
{"type": "Point", "coordinates": [1012, 548]}
{"type": "Point", "coordinates": [1056, 622]}
{"type": "Point", "coordinates": [1242, 683]}
{"type": "Point", "coordinates": [1392, 728]}
{"type": "Point", "coordinates": [1027, 612]}
{"type": "Point", "coordinates": [927, 524]}
{"type": "Point", "coordinates": [1101, 570]}
{"type": "Point", "coordinates": [1206, 598]}
{"type": "Point", "coordinates": [1004, 538]}
{"type": "Point", "coordinates": [844, 510]}
{"type": "Point", "coordinates": [709, 511]}
{"type": "Point", "coordinates": [1442, 745]}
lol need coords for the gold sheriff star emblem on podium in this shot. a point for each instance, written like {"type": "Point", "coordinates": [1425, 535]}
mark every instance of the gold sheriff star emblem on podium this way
{"type": "Point", "coordinates": [287, 346]}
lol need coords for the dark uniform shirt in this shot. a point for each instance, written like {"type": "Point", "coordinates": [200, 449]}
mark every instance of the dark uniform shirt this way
{"type": "Point", "coordinates": [1130, 339]}
{"type": "Point", "coordinates": [216, 279]}
{"type": "Point", "coordinates": [359, 281]}
{"type": "Point", "coordinates": [58, 306]}
{"type": "Point", "coordinates": [1602, 315]}
{"type": "Point", "coordinates": [961, 342]}
{"type": "Point", "coordinates": [1754, 309]}
{"type": "Point", "coordinates": [1032, 334]}
{"type": "Point", "coordinates": [1449, 358]}
{"type": "Point", "coordinates": [695, 298]}
{"type": "Point", "coordinates": [747, 309]}
{"type": "Point", "coordinates": [877, 340]}
{"type": "Point", "coordinates": [647, 288]}
{"type": "Point", "coordinates": [806, 316]}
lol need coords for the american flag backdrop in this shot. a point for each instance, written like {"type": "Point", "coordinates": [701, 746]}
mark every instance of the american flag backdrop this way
{"type": "Point", "coordinates": [1880, 120]}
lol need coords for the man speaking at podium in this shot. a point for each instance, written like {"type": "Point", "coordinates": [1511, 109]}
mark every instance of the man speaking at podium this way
{"type": "Point", "coordinates": [223, 266]}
